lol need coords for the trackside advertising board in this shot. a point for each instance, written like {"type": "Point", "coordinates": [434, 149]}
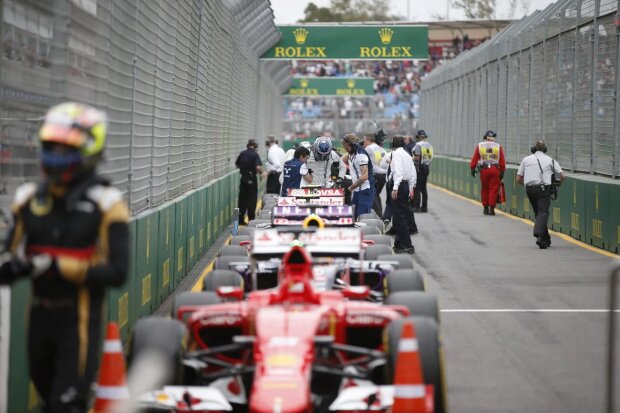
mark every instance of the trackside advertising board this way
{"type": "Point", "coordinates": [367, 42]}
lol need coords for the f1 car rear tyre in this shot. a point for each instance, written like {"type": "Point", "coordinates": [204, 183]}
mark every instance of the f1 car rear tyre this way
{"type": "Point", "coordinates": [380, 239]}
{"type": "Point", "coordinates": [193, 299]}
{"type": "Point", "coordinates": [404, 260]}
{"type": "Point", "coordinates": [236, 250]}
{"type": "Point", "coordinates": [404, 280]}
{"type": "Point", "coordinates": [370, 230]}
{"type": "Point", "coordinates": [256, 222]}
{"type": "Point", "coordinates": [246, 231]}
{"type": "Point", "coordinates": [221, 278]}
{"type": "Point", "coordinates": [222, 263]}
{"type": "Point", "coordinates": [265, 214]}
{"type": "Point", "coordinates": [431, 355]}
{"type": "Point", "coordinates": [370, 215]}
{"type": "Point", "coordinates": [238, 239]}
{"type": "Point", "coordinates": [419, 303]}
{"type": "Point", "coordinates": [373, 222]}
{"type": "Point", "coordinates": [165, 336]}
{"type": "Point", "coordinates": [372, 252]}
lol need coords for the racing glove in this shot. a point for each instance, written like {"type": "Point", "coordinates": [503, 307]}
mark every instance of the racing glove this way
{"type": "Point", "coordinates": [13, 268]}
{"type": "Point", "coordinates": [473, 172]}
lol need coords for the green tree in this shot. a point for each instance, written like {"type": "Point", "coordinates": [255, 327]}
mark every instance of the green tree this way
{"type": "Point", "coordinates": [476, 9]}
{"type": "Point", "coordinates": [349, 11]}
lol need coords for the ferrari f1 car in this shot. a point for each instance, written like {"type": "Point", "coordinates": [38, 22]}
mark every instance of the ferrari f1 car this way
{"type": "Point", "coordinates": [292, 349]}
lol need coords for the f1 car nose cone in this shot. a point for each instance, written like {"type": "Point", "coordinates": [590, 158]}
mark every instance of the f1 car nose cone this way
{"type": "Point", "coordinates": [285, 395]}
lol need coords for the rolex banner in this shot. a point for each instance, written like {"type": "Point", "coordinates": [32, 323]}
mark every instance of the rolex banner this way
{"type": "Point", "coordinates": [332, 86]}
{"type": "Point", "coordinates": [350, 42]}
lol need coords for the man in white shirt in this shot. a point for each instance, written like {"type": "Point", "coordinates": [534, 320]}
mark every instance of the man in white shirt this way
{"type": "Point", "coordinates": [376, 154]}
{"type": "Point", "coordinates": [273, 164]}
{"type": "Point", "coordinates": [536, 172]}
{"type": "Point", "coordinates": [361, 170]}
{"type": "Point", "coordinates": [402, 178]}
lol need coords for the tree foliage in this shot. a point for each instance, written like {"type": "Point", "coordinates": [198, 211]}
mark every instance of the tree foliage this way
{"type": "Point", "coordinates": [349, 11]}
{"type": "Point", "coordinates": [476, 9]}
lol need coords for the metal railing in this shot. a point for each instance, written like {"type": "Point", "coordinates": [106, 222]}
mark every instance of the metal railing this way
{"type": "Point", "coordinates": [551, 75]}
{"type": "Point", "coordinates": [181, 82]}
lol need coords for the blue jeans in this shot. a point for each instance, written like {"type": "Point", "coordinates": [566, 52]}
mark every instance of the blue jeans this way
{"type": "Point", "coordinates": [362, 201]}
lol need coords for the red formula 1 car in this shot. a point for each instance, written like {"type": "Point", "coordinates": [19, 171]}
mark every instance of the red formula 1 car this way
{"type": "Point", "coordinates": [291, 349]}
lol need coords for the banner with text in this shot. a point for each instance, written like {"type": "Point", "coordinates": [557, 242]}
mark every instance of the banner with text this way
{"type": "Point", "coordinates": [332, 86]}
{"type": "Point", "coordinates": [350, 42]}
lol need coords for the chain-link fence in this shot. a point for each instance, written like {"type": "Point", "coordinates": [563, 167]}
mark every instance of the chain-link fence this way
{"type": "Point", "coordinates": [180, 80]}
{"type": "Point", "coordinates": [551, 75]}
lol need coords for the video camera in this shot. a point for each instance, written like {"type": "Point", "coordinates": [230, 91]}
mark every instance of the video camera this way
{"type": "Point", "coordinates": [379, 135]}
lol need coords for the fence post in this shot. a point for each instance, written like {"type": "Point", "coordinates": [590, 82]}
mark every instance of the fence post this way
{"type": "Point", "coordinates": [133, 100]}
{"type": "Point", "coordinates": [616, 155]}
{"type": "Point", "coordinates": [574, 45]}
{"type": "Point", "coordinates": [594, 42]}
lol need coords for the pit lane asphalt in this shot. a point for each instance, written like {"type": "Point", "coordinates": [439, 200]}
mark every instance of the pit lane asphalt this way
{"type": "Point", "coordinates": [515, 361]}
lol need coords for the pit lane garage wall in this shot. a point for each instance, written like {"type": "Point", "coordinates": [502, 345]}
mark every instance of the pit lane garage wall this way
{"type": "Point", "coordinates": [586, 208]}
{"type": "Point", "coordinates": [184, 90]}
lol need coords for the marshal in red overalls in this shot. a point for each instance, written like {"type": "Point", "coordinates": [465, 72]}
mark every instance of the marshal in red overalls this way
{"type": "Point", "coordinates": [489, 159]}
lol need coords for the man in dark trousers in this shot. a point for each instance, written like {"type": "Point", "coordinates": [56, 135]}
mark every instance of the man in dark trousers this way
{"type": "Point", "coordinates": [70, 236]}
{"type": "Point", "coordinates": [250, 168]}
{"type": "Point", "coordinates": [402, 178]}
{"type": "Point", "coordinates": [422, 158]}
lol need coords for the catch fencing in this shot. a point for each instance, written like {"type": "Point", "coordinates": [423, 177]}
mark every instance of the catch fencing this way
{"type": "Point", "coordinates": [180, 80]}
{"type": "Point", "coordinates": [551, 75]}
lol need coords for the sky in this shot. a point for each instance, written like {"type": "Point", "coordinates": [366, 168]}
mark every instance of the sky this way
{"type": "Point", "coordinates": [289, 11]}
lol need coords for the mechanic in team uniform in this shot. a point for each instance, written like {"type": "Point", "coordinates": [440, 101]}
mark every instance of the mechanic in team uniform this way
{"type": "Point", "coordinates": [296, 170]}
{"type": "Point", "coordinates": [362, 174]}
{"type": "Point", "coordinates": [536, 172]}
{"type": "Point", "coordinates": [376, 153]}
{"type": "Point", "coordinates": [70, 235]}
{"type": "Point", "coordinates": [402, 180]}
{"type": "Point", "coordinates": [490, 160]}
{"type": "Point", "coordinates": [250, 166]}
{"type": "Point", "coordinates": [422, 157]}
{"type": "Point", "coordinates": [273, 164]}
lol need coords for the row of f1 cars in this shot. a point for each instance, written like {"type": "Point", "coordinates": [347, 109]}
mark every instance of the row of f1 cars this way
{"type": "Point", "coordinates": [301, 313]}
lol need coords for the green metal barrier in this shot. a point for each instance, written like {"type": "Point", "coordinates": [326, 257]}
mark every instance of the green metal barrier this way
{"type": "Point", "coordinates": [180, 240]}
{"type": "Point", "coordinates": [192, 229]}
{"type": "Point", "coordinates": [146, 280]}
{"type": "Point", "coordinates": [165, 251]}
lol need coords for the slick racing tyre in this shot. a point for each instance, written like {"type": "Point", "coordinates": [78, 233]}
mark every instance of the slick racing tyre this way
{"type": "Point", "coordinates": [193, 299]}
{"type": "Point", "coordinates": [265, 214]}
{"type": "Point", "coordinates": [221, 278]}
{"type": "Point", "coordinates": [404, 280]}
{"type": "Point", "coordinates": [236, 250]}
{"type": "Point", "coordinates": [419, 303]}
{"type": "Point", "coordinates": [372, 252]}
{"type": "Point", "coordinates": [430, 351]}
{"type": "Point", "coordinates": [166, 337]}
{"type": "Point", "coordinates": [370, 215]}
{"type": "Point", "coordinates": [373, 223]}
{"type": "Point", "coordinates": [258, 222]}
{"type": "Point", "coordinates": [404, 260]}
{"type": "Point", "coordinates": [223, 263]}
{"type": "Point", "coordinates": [380, 239]}
{"type": "Point", "coordinates": [238, 239]}
{"type": "Point", "coordinates": [370, 230]}
{"type": "Point", "coordinates": [246, 231]}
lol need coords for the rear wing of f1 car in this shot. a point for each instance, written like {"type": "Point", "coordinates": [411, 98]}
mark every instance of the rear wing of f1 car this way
{"type": "Point", "coordinates": [328, 240]}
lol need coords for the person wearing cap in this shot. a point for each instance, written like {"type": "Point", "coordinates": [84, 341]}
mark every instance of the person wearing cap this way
{"type": "Point", "coordinates": [376, 154]}
{"type": "Point", "coordinates": [489, 159]}
{"type": "Point", "coordinates": [422, 157]}
{"type": "Point", "coordinates": [70, 236]}
{"type": "Point", "coordinates": [250, 166]}
{"type": "Point", "coordinates": [273, 165]}
{"type": "Point", "coordinates": [362, 175]}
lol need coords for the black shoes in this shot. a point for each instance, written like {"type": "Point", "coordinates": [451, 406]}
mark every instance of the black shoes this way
{"type": "Point", "coordinates": [542, 243]}
{"type": "Point", "coordinates": [414, 232]}
{"type": "Point", "coordinates": [416, 209]}
{"type": "Point", "coordinates": [488, 210]}
{"type": "Point", "coordinates": [398, 250]}
{"type": "Point", "coordinates": [491, 210]}
{"type": "Point", "coordinates": [423, 209]}
{"type": "Point", "coordinates": [485, 211]}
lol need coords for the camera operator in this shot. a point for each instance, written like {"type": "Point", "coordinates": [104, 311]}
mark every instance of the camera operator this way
{"type": "Point", "coordinates": [373, 144]}
{"type": "Point", "coordinates": [541, 176]}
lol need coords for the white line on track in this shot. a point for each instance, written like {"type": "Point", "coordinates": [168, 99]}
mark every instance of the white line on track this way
{"type": "Point", "coordinates": [525, 310]}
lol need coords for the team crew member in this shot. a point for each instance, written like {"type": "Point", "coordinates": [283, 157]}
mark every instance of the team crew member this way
{"type": "Point", "coordinates": [296, 171]}
{"type": "Point", "coordinates": [376, 154]}
{"type": "Point", "coordinates": [489, 159]}
{"type": "Point", "coordinates": [322, 156]}
{"type": "Point", "coordinates": [422, 156]}
{"type": "Point", "coordinates": [249, 165]}
{"type": "Point", "coordinates": [273, 164]}
{"type": "Point", "coordinates": [536, 172]}
{"type": "Point", "coordinates": [360, 167]}
{"type": "Point", "coordinates": [70, 235]}
{"type": "Point", "coordinates": [403, 180]}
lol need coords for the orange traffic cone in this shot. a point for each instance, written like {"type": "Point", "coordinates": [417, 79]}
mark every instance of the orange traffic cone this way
{"type": "Point", "coordinates": [409, 388]}
{"type": "Point", "coordinates": [112, 383]}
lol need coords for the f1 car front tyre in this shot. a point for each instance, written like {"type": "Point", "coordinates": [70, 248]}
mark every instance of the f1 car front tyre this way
{"type": "Point", "coordinates": [419, 303]}
{"type": "Point", "coordinates": [223, 263]}
{"type": "Point", "coordinates": [221, 278]}
{"type": "Point", "coordinates": [193, 299]}
{"type": "Point", "coordinates": [232, 250]}
{"type": "Point", "coordinates": [404, 280]}
{"type": "Point", "coordinates": [431, 355]}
